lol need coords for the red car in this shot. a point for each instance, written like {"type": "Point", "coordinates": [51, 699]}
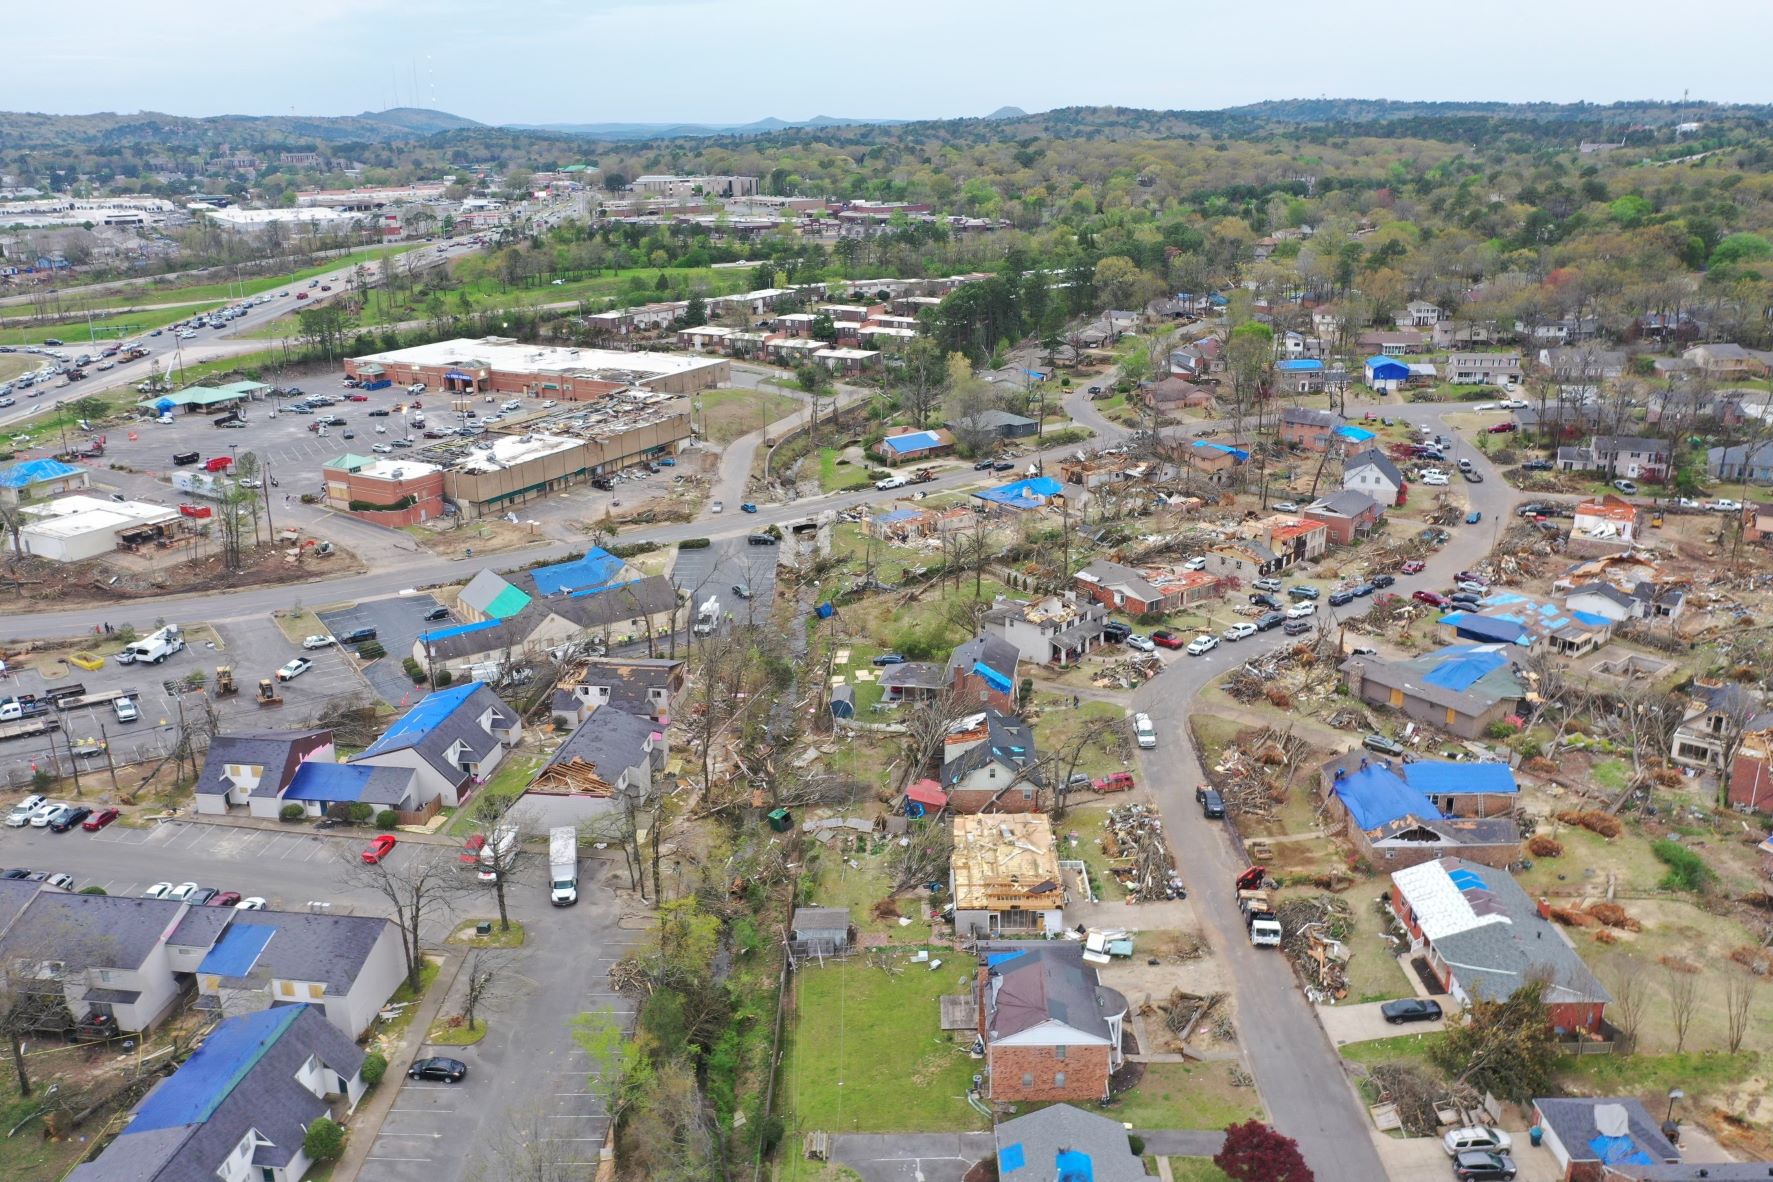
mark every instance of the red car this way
{"type": "Point", "coordinates": [357, 398]}
{"type": "Point", "coordinates": [1114, 782]}
{"type": "Point", "coordinates": [379, 848]}
{"type": "Point", "coordinates": [1167, 639]}
{"type": "Point", "coordinates": [1431, 597]}
{"type": "Point", "coordinates": [470, 855]}
{"type": "Point", "coordinates": [225, 899]}
{"type": "Point", "coordinates": [99, 820]}
{"type": "Point", "coordinates": [1504, 428]}
{"type": "Point", "coordinates": [1413, 567]}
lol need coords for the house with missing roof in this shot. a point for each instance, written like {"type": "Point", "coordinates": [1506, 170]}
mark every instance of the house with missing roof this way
{"type": "Point", "coordinates": [1482, 936]}
{"type": "Point", "coordinates": [1062, 1143]}
{"type": "Point", "coordinates": [253, 769]}
{"type": "Point", "coordinates": [643, 686]}
{"type": "Point", "coordinates": [1049, 1028]}
{"type": "Point", "coordinates": [1403, 814]}
{"type": "Point", "coordinates": [990, 764]}
{"type": "Point", "coordinates": [1003, 876]}
{"type": "Point", "coordinates": [345, 966]}
{"type": "Point", "coordinates": [983, 672]}
{"type": "Point", "coordinates": [453, 739]}
{"type": "Point", "coordinates": [1603, 1137]}
{"type": "Point", "coordinates": [1058, 630]}
{"type": "Point", "coordinates": [240, 1106]}
{"type": "Point", "coordinates": [1461, 688]}
{"type": "Point", "coordinates": [1508, 617]}
{"type": "Point", "coordinates": [611, 753]}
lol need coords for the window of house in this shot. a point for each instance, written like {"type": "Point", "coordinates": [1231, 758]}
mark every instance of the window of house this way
{"type": "Point", "coordinates": [1027, 1079]}
{"type": "Point", "coordinates": [1059, 1079]}
{"type": "Point", "coordinates": [286, 988]}
{"type": "Point", "coordinates": [316, 992]}
{"type": "Point", "coordinates": [1059, 1053]}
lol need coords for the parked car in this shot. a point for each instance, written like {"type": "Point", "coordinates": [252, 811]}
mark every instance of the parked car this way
{"type": "Point", "coordinates": [1413, 567]}
{"type": "Point", "coordinates": [1383, 745]}
{"type": "Point", "coordinates": [1300, 610]}
{"type": "Point", "coordinates": [1627, 487]}
{"type": "Point", "coordinates": [294, 669]}
{"type": "Point", "coordinates": [21, 813]}
{"type": "Point", "coordinates": [1301, 591]}
{"type": "Point", "coordinates": [1473, 517]}
{"type": "Point", "coordinates": [1167, 639]}
{"type": "Point", "coordinates": [1270, 620]}
{"type": "Point", "coordinates": [181, 892]}
{"type": "Point", "coordinates": [358, 636]}
{"type": "Point", "coordinates": [1411, 1009]}
{"type": "Point", "coordinates": [379, 848]}
{"type": "Point", "coordinates": [201, 896]}
{"type": "Point", "coordinates": [1338, 598]}
{"type": "Point", "coordinates": [314, 642]}
{"type": "Point", "coordinates": [1431, 598]}
{"type": "Point", "coordinates": [1537, 466]}
{"type": "Point", "coordinates": [1238, 631]}
{"type": "Point", "coordinates": [449, 1070]}
{"type": "Point", "coordinates": [1115, 632]}
{"type": "Point", "coordinates": [1262, 599]}
{"type": "Point", "coordinates": [252, 903]}
{"type": "Point", "coordinates": [1113, 782]}
{"type": "Point", "coordinates": [1296, 627]}
{"type": "Point", "coordinates": [1143, 643]}
{"type": "Point", "coordinates": [1382, 581]}
{"type": "Point", "coordinates": [1286, 507]}
{"type": "Point", "coordinates": [224, 899]}
{"type": "Point", "coordinates": [889, 659]}
{"type": "Point", "coordinates": [1144, 730]}
{"type": "Point", "coordinates": [1472, 477]}
{"type": "Point", "coordinates": [1480, 1166]}
{"type": "Point", "coordinates": [435, 614]}
{"type": "Point", "coordinates": [1267, 585]}
{"type": "Point", "coordinates": [1475, 1138]}
{"type": "Point", "coordinates": [1212, 805]}
{"type": "Point", "coordinates": [1503, 428]}
{"type": "Point", "coordinates": [99, 820]}
{"type": "Point", "coordinates": [158, 891]}
{"type": "Point", "coordinates": [1201, 645]}
{"type": "Point", "coordinates": [68, 818]}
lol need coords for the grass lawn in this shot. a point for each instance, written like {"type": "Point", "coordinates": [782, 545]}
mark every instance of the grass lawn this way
{"type": "Point", "coordinates": [1184, 1096]}
{"type": "Point", "coordinates": [81, 334]}
{"type": "Point", "coordinates": [1081, 838]}
{"type": "Point", "coordinates": [1196, 1169]}
{"type": "Point", "coordinates": [452, 1032]}
{"type": "Point", "coordinates": [727, 414]}
{"type": "Point", "coordinates": [171, 291]}
{"type": "Point", "coordinates": [835, 477]}
{"type": "Point", "coordinates": [14, 364]}
{"type": "Point", "coordinates": [464, 934]}
{"type": "Point", "coordinates": [840, 885]}
{"type": "Point", "coordinates": [1060, 725]}
{"type": "Point", "coordinates": [1613, 1075]}
{"type": "Point", "coordinates": [299, 623]}
{"type": "Point", "coordinates": [1404, 1048]}
{"type": "Point", "coordinates": [507, 784]}
{"type": "Point", "coordinates": [865, 1053]}
{"type": "Point", "coordinates": [30, 1155]}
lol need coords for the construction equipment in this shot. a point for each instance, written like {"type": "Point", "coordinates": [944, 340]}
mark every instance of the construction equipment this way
{"type": "Point", "coordinates": [1258, 912]}
{"type": "Point", "coordinates": [268, 693]}
{"type": "Point", "coordinates": [224, 681]}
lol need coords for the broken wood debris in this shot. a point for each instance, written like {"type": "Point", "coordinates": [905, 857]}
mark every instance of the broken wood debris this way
{"type": "Point", "coordinates": [1138, 855]}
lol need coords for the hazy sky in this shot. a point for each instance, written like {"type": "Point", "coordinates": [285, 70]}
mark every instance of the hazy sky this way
{"type": "Point", "coordinates": [556, 61]}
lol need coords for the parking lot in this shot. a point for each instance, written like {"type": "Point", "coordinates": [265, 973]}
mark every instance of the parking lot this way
{"type": "Point", "coordinates": [178, 843]}
{"type": "Point", "coordinates": [398, 623]}
{"type": "Point", "coordinates": [714, 571]}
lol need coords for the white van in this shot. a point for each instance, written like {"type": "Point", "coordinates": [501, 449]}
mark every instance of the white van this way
{"type": "Point", "coordinates": [1144, 731]}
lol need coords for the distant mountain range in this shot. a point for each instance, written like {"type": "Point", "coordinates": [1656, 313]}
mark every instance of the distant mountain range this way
{"type": "Point", "coordinates": [30, 130]}
{"type": "Point", "coordinates": [665, 131]}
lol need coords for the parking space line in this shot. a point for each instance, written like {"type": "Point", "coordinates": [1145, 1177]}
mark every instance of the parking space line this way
{"type": "Point", "coordinates": [378, 1157]}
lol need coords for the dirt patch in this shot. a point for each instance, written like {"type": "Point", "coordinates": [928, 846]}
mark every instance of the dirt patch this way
{"type": "Point", "coordinates": [487, 536]}
{"type": "Point", "coordinates": [37, 584]}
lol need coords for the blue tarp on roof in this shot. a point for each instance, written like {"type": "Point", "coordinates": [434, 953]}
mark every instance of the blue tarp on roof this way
{"type": "Point", "coordinates": [1379, 361]}
{"type": "Point", "coordinates": [1375, 796]}
{"type": "Point", "coordinates": [457, 630]}
{"type": "Point", "coordinates": [1488, 629]}
{"type": "Point", "coordinates": [601, 590]}
{"type": "Point", "coordinates": [35, 472]}
{"type": "Point", "coordinates": [1463, 668]}
{"type": "Point", "coordinates": [595, 569]}
{"type": "Point", "coordinates": [199, 1086]}
{"type": "Point", "coordinates": [993, 959]}
{"type": "Point", "coordinates": [896, 516]}
{"type": "Point", "coordinates": [1023, 494]}
{"type": "Point", "coordinates": [993, 678]}
{"type": "Point", "coordinates": [1303, 365]}
{"type": "Point", "coordinates": [422, 719]}
{"type": "Point", "coordinates": [1011, 1157]}
{"type": "Point", "coordinates": [1592, 620]}
{"type": "Point", "coordinates": [1619, 1151]}
{"type": "Point", "coordinates": [1436, 778]}
{"type": "Point", "coordinates": [1358, 434]}
{"type": "Point", "coordinates": [238, 950]}
{"type": "Point", "coordinates": [326, 783]}
{"type": "Point", "coordinates": [1466, 879]}
{"type": "Point", "coordinates": [915, 441]}
{"type": "Point", "coordinates": [1243, 456]}
{"type": "Point", "coordinates": [1074, 1165]}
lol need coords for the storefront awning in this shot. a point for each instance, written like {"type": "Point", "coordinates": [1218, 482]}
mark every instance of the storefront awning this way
{"type": "Point", "coordinates": [456, 375]}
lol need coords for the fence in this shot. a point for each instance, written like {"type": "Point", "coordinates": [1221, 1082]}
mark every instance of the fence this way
{"type": "Point", "coordinates": [420, 816]}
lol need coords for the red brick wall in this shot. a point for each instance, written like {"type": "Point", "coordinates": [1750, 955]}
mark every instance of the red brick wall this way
{"type": "Point", "coordinates": [974, 800]}
{"type": "Point", "coordinates": [975, 691]}
{"type": "Point", "coordinates": [1130, 604]}
{"type": "Point", "coordinates": [1575, 1015]}
{"type": "Point", "coordinates": [1085, 1070]}
{"type": "Point", "coordinates": [1751, 783]}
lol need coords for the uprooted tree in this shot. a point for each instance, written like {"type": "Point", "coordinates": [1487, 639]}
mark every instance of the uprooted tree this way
{"type": "Point", "coordinates": [1503, 1047]}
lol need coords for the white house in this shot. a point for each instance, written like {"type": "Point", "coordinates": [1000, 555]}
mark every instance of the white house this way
{"type": "Point", "coordinates": [454, 739]}
{"type": "Point", "coordinates": [1373, 473]}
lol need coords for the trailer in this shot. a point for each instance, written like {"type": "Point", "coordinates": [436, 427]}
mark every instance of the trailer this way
{"type": "Point", "coordinates": [27, 730]}
{"type": "Point", "coordinates": [57, 692]}
{"type": "Point", "coordinates": [100, 698]}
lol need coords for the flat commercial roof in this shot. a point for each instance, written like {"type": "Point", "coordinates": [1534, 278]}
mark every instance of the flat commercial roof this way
{"type": "Point", "coordinates": [509, 450]}
{"type": "Point", "coordinates": [71, 517]}
{"type": "Point", "coordinates": [512, 356]}
{"type": "Point", "coordinates": [387, 469]}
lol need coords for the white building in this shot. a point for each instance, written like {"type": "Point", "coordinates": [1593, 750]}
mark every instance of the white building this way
{"type": "Point", "coordinates": [76, 528]}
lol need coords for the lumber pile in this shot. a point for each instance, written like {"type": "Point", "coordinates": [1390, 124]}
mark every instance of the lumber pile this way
{"type": "Point", "coordinates": [1139, 856]}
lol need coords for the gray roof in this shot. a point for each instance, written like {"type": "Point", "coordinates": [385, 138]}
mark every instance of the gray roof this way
{"type": "Point", "coordinates": [200, 927]}
{"type": "Point", "coordinates": [1605, 591]}
{"type": "Point", "coordinates": [615, 604]}
{"type": "Point", "coordinates": [988, 420]}
{"type": "Point", "coordinates": [15, 895]}
{"type": "Point", "coordinates": [1308, 418]}
{"type": "Point", "coordinates": [1348, 503]}
{"type": "Point", "coordinates": [1046, 982]}
{"type": "Point", "coordinates": [266, 1098]}
{"type": "Point", "coordinates": [1698, 1171]}
{"type": "Point", "coordinates": [1008, 741]}
{"type": "Point", "coordinates": [1041, 1136]}
{"type": "Point", "coordinates": [1621, 443]}
{"type": "Point", "coordinates": [1374, 458]}
{"type": "Point", "coordinates": [1492, 960]}
{"type": "Point", "coordinates": [912, 675]}
{"type": "Point", "coordinates": [507, 634]}
{"type": "Point", "coordinates": [820, 919]}
{"type": "Point", "coordinates": [90, 931]}
{"type": "Point", "coordinates": [990, 650]}
{"type": "Point", "coordinates": [1410, 676]}
{"type": "Point", "coordinates": [1572, 1119]}
{"type": "Point", "coordinates": [630, 681]}
{"type": "Point", "coordinates": [610, 740]}
{"type": "Point", "coordinates": [327, 948]}
{"type": "Point", "coordinates": [1113, 574]}
{"type": "Point", "coordinates": [278, 752]}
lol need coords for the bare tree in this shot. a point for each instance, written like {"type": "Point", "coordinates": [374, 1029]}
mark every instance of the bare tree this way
{"type": "Point", "coordinates": [1631, 990]}
{"type": "Point", "coordinates": [1739, 996]}
{"type": "Point", "coordinates": [528, 1146]}
{"type": "Point", "coordinates": [1683, 998]}
{"type": "Point", "coordinates": [417, 882]}
{"type": "Point", "coordinates": [1061, 763]}
{"type": "Point", "coordinates": [926, 725]}
{"type": "Point", "coordinates": [485, 973]}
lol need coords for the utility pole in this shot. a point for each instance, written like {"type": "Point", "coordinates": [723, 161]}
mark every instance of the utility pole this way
{"type": "Point", "coordinates": [110, 763]}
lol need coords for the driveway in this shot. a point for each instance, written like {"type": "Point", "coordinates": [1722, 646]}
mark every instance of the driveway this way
{"type": "Point", "coordinates": [1363, 1023]}
{"type": "Point", "coordinates": [397, 622]}
{"type": "Point", "coordinates": [912, 1157]}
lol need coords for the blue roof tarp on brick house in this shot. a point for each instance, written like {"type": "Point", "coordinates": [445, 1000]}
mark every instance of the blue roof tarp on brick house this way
{"type": "Point", "coordinates": [914, 441]}
{"type": "Point", "coordinates": [1032, 493]}
{"type": "Point", "coordinates": [1439, 778]}
{"type": "Point", "coordinates": [1375, 795]}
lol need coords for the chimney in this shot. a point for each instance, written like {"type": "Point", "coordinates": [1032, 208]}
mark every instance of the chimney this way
{"type": "Point", "coordinates": [1544, 908]}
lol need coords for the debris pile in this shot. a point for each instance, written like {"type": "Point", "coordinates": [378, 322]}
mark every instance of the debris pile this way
{"type": "Point", "coordinates": [1421, 1102]}
{"type": "Point", "coordinates": [1129, 672]}
{"type": "Point", "coordinates": [1243, 775]}
{"type": "Point", "coordinates": [1542, 846]}
{"type": "Point", "coordinates": [1592, 820]}
{"type": "Point", "coordinates": [1614, 916]}
{"type": "Point", "coordinates": [1181, 1012]}
{"type": "Point", "coordinates": [1314, 933]}
{"type": "Point", "coordinates": [1138, 856]}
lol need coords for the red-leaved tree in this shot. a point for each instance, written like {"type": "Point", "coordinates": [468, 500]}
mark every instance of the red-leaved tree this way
{"type": "Point", "coordinates": [1254, 1152]}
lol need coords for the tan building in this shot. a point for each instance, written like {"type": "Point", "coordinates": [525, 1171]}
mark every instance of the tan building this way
{"type": "Point", "coordinates": [501, 365]}
{"type": "Point", "coordinates": [1004, 876]}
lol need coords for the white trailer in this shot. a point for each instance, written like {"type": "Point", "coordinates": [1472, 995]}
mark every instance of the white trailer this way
{"type": "Point", "coordinates": [563, 866]}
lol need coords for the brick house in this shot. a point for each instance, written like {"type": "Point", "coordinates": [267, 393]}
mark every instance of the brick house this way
{"type": "Point", "coordinates": [1347, 516]}
{"type": "Point", "coordinates": [1402, 814]}
{"type": "Point", "coordinates": [1152, 590]}
{"type": "Point", "coordinates": [1482, 936]}
{"type": "Point", "coordinates": [1460, 688]}
{"type": "Point", "coordinates": [983, 671]}
{"type": "Point", "coordinates": [990, 764]}
{"type": "Point", "coordinates": [1309, 429]}
{"type": "Point", "coordinates": [1051, 1029]}
{"type": "Point", "coordinates": [1214, 462]}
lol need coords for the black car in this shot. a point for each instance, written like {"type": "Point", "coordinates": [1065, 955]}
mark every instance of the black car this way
{"type": "Point", "coordinates": [982, 466]}
{"type": "Point", "coordinates": [437, 613]}
{"type": "Point", "coordinates": [1003, 466]}
{"type": "Point", "coordinates": [69, 817]}
{"type": "Point", "coordinates": [1364, 590]}
{"type": "Point", "coordinates": [1270, 620]}
{"type": "Point", "coordinates": [183, 458]}
{"type": "Point", "coordinates": [1479, 1165]}
{"type": "Point", "coordinates": [1300, 591]}
{"type": "Point", "coordinates": [20, 873]}
{"type": "Point", "coordinates": [1536, 466]}
{"type": "Point", "coordinates": [1411, 1009]}
{"type": "Point", "coordinates": [1261, 599]}
{"type": "Point", "coordinates": [379, 413]}
{"type": "Point", "coordinates": [358, 636]}
{"type": "Point", "coordinates": [1114, 632]}
{"type": "Point", "coordinates": [1338, 598]}
{"type": "Point", "coordinates": [1212, 805]}
{"type": "Point", "coordinates": [451, 1070]}
{"type": "Point", "coordinates": [1382, 580]}
{"type": "Point", "coordinates": [333, 421]}
{"type": "Point", "coordinates": [1472, 477]}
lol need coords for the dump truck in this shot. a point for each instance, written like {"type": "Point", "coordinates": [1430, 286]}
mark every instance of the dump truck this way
{"type": "Point", "coordinates": [1257, 908]}
{"type": "Point", "coordinates": [563, 866]}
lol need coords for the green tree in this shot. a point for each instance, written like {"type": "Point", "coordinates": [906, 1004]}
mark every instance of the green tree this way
{"type": "Point", "coordinates": [90, 407]}
{"type": "Point", "coordinates": [695, 312]}
{"type": "Point", "coordinates": [824, 328]}
{"type": "Point", "coordinates": [1505, 1047]}
{"type": "Point", "coordinates": [324, 1140]}
{"type": "Point", "coordinates": [1740, 248]}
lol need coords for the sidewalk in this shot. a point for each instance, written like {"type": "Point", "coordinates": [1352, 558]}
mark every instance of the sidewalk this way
{"type": "Point", "coordinates": [358, 833]}
{"type": "Point", "coordinates": [366, 1122]}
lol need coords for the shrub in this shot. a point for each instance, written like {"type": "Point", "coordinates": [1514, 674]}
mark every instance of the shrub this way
{"type": "Point", "coordinates": [413, 669]}
{"type": "Point", "coordinates": [375, 1065]}
{"type": "Point", "coordinates": [1137, 1144]}
{"type": "Point", "coordinates": [92, 890]}
{"type": "Point", "coordinates": [41, 780]}
{"type": "Point", "coordinates": [325, 1140]}
{"type": "Point", "coordinates": [443, 678]}
{"type": "Point", "coordinates": [387, 819]}
{"type": "Point", "coordinates": [358, 812]}
{"type": "Point", "coordinates": [406, 502]}
{"type": "Point", "coordinates": [1499, 730]}
{"type": "Point", "coordinates": [693, 544]}
{"type": "Point", "coordinates": [562, 723]}
{"type": "Point", "coordinates": [1687, 871]}
{"type": "Point", "coordinates": [291, 812]}
{"type": "Point", "coordinates": [372, 651]}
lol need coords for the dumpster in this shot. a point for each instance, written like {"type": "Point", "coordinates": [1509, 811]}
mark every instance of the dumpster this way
{"type": "Point", "coordinates": [780, 821]}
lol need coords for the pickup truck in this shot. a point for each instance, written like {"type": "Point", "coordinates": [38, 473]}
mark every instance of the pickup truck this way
{"type": "Point", "coordinates": [23, 706]}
